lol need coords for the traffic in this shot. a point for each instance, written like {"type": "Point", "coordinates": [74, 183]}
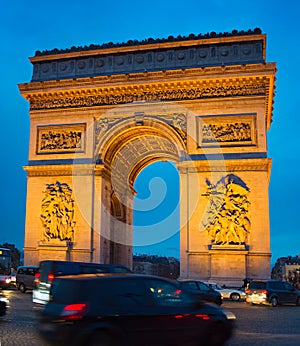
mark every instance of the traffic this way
{"type": "Point", "coordinates": [77, 303]}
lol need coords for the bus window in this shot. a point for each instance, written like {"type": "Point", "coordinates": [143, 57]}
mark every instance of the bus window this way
{"type": "Point", "coordinates": [5, 267]}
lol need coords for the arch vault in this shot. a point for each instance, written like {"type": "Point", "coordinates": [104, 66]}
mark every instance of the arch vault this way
{"type": "Point", "coordinates": [100, 114]}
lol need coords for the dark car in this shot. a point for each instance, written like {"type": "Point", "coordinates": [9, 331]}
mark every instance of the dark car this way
{"type": "Point", "coordinates": [202, 291]}
{"type": "Point", "coordinates": [49, 269]}
{"type": "Point", "coordinates": [25, 277]}
{"type": "Point", "coordinates": [3, 304]}
{"type": "Point", "coordinates": [130, 309]}
{"type": "Point", "coordinates": [272, 292]}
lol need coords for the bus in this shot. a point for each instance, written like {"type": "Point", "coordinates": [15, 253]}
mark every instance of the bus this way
{"type": "Point", "coordinates": [5, 267]}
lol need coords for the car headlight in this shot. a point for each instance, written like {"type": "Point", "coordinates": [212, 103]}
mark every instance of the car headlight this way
{"type": "Point", "coordinates": [229, 315]}
{"type": "Point", "coordinates": [5, 300]}
{"type": "Point", "coordinates": [7, 280]}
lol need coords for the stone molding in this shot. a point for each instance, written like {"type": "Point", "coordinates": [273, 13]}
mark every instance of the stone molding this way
{"type": "Point", "coordinates": [64, 170]}
{"type": "Point", "coordinates": [263, 165]}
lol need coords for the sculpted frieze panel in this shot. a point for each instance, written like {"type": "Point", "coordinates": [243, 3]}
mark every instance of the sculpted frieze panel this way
{"type": "Point", "coordinates": [57, 213]}
{"type": "Point", "coordinates": [227, 220]}
{"type": "Point", "coordinates": [61, 139]}
{"type": "Point", "coordinates": [162, 93]}
{"type": "Point", "coordinates": [227, 130]}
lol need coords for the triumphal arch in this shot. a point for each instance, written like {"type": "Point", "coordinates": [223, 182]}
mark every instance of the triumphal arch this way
{"type": "Point", "coordinates": [100, 114]}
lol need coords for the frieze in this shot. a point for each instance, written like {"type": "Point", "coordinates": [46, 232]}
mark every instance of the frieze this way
{"type": "Point", "coordinates": [227, 130]}
{"type": "Point", "coordinates": [61, 139]}
{"type": "Point", "coordinates": [163, 92]}
{"type": "Point", "coordinates": [237, 132]}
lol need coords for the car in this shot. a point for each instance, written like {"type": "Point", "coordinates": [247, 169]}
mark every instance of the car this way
{"type": "Point", "coordinates": [3, 304]}
{"type": "Point", "coordinates": [25, 277]}
{"type": "Point", "coordinates": [49, 269]}
{"type": "Point", "coordinates": [130, 309]}
{"type": "Point", "coordinates": [228, 293]}
{"type": "Point", "coordinates": [202, 291]}
{"type": "Point", "coordinates": [272, 292]}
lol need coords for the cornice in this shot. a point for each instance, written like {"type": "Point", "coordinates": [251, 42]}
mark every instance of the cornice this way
{"type": "Point", "coordinates": [214, 72]}
{"type": "Point", "coordinates": [262, 165]}
{"type": "Point", "coordinates": [65, 170]}
{"type": "Point", "coordinates": [179, 85]}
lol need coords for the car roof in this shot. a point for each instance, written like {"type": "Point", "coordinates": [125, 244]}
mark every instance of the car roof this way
{"type": "Point", "coordinates": [191, 280]}
{"type": "Point", "coordinates": [96, 276]}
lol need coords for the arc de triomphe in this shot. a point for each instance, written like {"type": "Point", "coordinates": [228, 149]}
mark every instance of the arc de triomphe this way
{"type": "Point", "coordinates": [100, 114]}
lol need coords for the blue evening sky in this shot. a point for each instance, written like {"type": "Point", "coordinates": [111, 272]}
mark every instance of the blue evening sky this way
{"type": "Point", "coordinates": [27, 26]}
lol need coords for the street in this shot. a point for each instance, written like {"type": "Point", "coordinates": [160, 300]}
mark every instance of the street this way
{"type": "Point", "coordinates": [256, 325]}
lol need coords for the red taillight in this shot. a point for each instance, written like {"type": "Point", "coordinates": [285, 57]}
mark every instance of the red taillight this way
{"type": "Point", "coordinates": [263, 292]}
{"type": "Point", "coordinates": [203, 316]}
{"type": "Point", "coordinates": [74, 311]}
{"type": "Point", "coordinates": [50, 277]}
{"type": "Point", "coordinates": [37, 278]}
{"type": "Point", "coordinates": [247, 291]}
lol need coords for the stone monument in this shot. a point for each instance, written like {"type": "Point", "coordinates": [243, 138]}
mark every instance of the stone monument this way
{"type": "Point", "coordinates": [100, 114]}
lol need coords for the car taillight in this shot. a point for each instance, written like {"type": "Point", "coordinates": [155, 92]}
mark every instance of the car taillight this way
{"type": "Point", "coordinates": [74, 312]}
{"type": "Point", "coordinates": [37, 278]}
{"type": "Point", "coordinates": [50, 277]}
{"type": "Point", "coordinates": [263, 292]}
{"type": "Point", "coordinates": [247, 291]}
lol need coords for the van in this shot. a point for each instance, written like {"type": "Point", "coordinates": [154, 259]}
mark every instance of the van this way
{"type": "Point", "coordinates": [48, 270]}
{"type": "Point", "coordinates": [272, 292]}
{"type": "Point", "coordinates": [25, 277]}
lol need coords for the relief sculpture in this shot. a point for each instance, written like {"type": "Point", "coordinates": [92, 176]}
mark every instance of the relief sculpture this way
{"type": "Point", "coordinates": [58, 212]}
{"type": "Point", "coordinates": [231, 132]}
{"type": "Point", "coordinates": [227, 221]}
{"type": "Point", "coordinates": [60, 139]}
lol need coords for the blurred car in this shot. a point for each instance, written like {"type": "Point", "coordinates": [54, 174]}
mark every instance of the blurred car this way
{"type": "Point", "coordinates": [228, 293]}
{"type": "Point", "coordinates": [48, 270]}
{"type": "Point", "coordinates": [13, 278]}
{"type": "Point", "coordinates": [130, 309]}
{"type": "Point", "coordinates": [272, 292]}
{"type": "Point", "coordinates": [202, 291]}
{"type": "Point", "coordinates": [25, 277]}
{"type": "Point", "coordinates": [3, 304]}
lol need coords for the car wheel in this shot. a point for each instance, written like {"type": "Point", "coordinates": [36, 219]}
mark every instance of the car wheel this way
{"type": "Point", "coordinates": [22, 288]}
{"type": "Point", "coordinates": [235, 297]}
{"type": "Point", "coordinates": [100, 338]}
{"type": "Point", "coordinates": [274, 301]}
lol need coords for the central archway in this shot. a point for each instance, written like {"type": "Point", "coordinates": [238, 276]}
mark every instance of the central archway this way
{"type": "Point", "coordinates": [125, 151]}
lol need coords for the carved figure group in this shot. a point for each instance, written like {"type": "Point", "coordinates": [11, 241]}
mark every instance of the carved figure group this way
{"type": "Point", "coordinates": [58, 212]}
{"type": "Point", "coordinates": [227, 221]}
{"type": "Point", "coordinates": [60, 140]}
{"type": "Point", "coordinates": [231, 132]}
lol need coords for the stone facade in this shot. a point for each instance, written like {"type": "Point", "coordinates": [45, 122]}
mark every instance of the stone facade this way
{"type": "Point", "coordinates": [100, 114]}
